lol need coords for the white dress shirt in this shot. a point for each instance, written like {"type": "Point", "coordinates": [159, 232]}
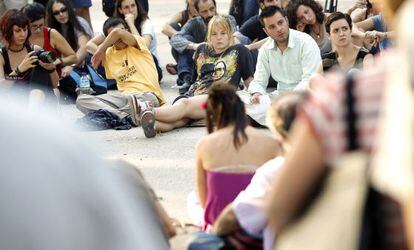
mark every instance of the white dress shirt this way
{"type": "Point", "coordinates": [291, 68]}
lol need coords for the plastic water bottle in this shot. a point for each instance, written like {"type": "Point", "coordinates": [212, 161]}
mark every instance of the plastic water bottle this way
{"type": "Point", "coordinates": [84, 84]}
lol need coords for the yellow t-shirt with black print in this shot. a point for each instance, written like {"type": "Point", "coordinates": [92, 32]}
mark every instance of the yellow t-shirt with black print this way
{"type": "Point", "coordinates": [133, 69]}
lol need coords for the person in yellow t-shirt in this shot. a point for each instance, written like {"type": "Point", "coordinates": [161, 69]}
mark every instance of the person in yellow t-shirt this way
{"type": "Point", "coordinates": [127, 60]}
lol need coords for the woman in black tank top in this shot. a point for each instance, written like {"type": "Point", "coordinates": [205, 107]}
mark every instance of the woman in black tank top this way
{"type": "Point", "coordinates": [346, 55]}
{"type": "Point", "coordinates": [17, 59]}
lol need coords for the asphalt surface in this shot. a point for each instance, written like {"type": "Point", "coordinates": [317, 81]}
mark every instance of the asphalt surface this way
{"type": "Point", "coordinates": [167, 160]}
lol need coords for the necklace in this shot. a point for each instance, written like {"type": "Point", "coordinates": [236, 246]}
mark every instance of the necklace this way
{"type": "Point", "coordinates": [15, 51]}
{"type": "Point", "coordinates": [318, 33]}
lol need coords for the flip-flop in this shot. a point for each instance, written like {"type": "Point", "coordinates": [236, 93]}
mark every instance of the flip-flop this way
{"type": "Point", "coordinates": [171, 68]}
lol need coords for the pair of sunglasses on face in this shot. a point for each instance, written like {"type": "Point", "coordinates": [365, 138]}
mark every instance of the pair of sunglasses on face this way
{"type": "Point", "coordinates": [62, 10]}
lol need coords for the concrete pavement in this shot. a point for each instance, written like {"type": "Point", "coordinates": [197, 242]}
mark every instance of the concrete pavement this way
{"type": "Point", "coordinates": [167, 160]}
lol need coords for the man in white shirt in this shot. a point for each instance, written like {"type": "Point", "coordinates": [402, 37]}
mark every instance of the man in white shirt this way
{"type": "Point", "coordinates": [288, 56]}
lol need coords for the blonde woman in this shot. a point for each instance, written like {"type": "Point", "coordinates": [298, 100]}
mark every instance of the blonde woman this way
{"type": "Point", "coordinates": [233, 62]}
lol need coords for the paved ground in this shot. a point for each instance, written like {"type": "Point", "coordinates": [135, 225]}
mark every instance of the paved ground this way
{"type": "Point", "coordinates": [167, 160]}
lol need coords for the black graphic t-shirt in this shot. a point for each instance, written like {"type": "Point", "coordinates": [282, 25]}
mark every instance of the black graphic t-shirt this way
{"type": "Point", "coordinates": [232, 65]}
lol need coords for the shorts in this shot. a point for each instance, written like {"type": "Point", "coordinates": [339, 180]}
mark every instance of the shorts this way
{"type": "Point", "coordinates": [81, 3]}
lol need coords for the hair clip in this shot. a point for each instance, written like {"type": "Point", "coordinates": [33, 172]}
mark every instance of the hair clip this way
{"type": "Point", "coordinates": [203, 105]}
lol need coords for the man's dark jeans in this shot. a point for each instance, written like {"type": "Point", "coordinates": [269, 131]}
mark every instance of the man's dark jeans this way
{"type": "Point", "coordinates": [185, 62]}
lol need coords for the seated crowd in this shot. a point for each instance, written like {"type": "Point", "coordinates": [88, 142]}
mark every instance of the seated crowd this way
{"type": "Point", "coordinates": [309, 76]}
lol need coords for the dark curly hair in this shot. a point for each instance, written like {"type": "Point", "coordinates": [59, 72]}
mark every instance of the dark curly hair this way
{"type": "Point", "coordinates": [9, 19]}
{"type": "Point", "coordinates": [141, 17]}
{"type": "Point", "coordinates": [293, 6]}
{"type": "Point", "coordinates": [73, 22]}
{"type": "Point", "coordinates": [224, 108]}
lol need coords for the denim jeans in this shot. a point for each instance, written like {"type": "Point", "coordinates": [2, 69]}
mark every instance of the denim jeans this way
{"type": "Point", "coordinates": [242, 38]}
{"type": "Point", "coordinates": [185, 60]}
{"type": "Point", "coordinates": [205, 241]}
{"type": "Point", "coordinates": [144, 4]}
{"type": "Point", "coordinates": [250, 8]}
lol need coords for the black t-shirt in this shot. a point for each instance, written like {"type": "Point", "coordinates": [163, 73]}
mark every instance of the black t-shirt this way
{"type": "Point", "coordinates": [253, 29]}
{"type": "Point", "coordinates": [231, 65]}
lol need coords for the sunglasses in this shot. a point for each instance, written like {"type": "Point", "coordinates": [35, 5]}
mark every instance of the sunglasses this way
{"type": "Point", "coordinates": [57, 12]}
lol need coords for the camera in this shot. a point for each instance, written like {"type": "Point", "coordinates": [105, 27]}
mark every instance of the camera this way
{"type": "Point", "coordinates": [45, 56]}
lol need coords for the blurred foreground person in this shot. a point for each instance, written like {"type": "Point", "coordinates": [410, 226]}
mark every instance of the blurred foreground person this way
{"type": "Point", "coordinates": [57, 193]}
{"type": "Point", "coordinates": [322, 136]}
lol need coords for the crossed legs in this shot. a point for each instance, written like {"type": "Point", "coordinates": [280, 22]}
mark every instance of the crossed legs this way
{"type": "Point", "coordinates": [180, 114]}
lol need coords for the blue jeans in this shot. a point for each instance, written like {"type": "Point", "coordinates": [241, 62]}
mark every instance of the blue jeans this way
{"type": "Point", "coordinates": [185, 60]}
{"type": "Point", "coordinates": [144, 4]}
{"type": "Point", "coordinates": [242, 38]}
{"type": "Point", "coordinates": [250, 8]}
{"type": "Point", "coordinates": [205, 241]}
{"type": "Point", "coordinates": [185, 63]}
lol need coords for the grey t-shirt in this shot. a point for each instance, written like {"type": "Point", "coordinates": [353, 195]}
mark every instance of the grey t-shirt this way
{"type": "Point", "coordinates": [85, 25]}
{"type": "Point", "coordinates": [147, 28]}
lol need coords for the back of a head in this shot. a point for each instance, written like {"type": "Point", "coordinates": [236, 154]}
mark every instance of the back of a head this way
{"type": "Point", "coordinates": [282, 113]}
{"type": "Point", "coordinates": [225, 108]}
{"type": "Point", "coordinates": [57, 193]}
{"type": "Point", "coordinates": [34, 11]}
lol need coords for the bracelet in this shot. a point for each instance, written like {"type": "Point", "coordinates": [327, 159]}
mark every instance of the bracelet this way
{"type": "Point", "coordinates": [18, 72]}
{"type": "Point", "coordinates": [61, 60]}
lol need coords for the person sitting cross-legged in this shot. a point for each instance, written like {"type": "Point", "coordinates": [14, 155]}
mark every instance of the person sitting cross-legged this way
{"type": "Point", "coordinates": [127, 60]}
{"type": "Point", "coordinates": [290, 57]}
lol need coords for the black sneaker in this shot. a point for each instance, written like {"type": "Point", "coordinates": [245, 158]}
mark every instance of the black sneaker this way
{"type": "Point", "coordinates": [187, 81]}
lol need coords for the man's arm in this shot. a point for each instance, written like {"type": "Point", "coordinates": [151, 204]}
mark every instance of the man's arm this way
{"type": "Point", "coordinates": [310, 61]}
{"type": "Point", "coordinates": [179, 41]}
{"type": "Point", "coordinates": [256, 45]}
{"type": "Point", "coordinates": [261, 76]}
{"type": "Point", "coordinates": [226, 223]}
{"type": "Point", "coordinates": [113, 37]}
{"type": "Point", "coordinates": [167, 29]}
{"type": "Point", "coordinates": [92, 45]}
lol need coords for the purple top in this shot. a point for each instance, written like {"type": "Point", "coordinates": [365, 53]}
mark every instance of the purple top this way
{"type": "Point", "coordinates": [222, 189]}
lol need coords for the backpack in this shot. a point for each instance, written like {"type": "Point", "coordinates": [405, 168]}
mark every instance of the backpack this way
{"type": "Point", "coordinates": [68, 84]}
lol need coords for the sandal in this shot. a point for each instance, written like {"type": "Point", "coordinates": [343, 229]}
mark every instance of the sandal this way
{"type": "Point", "coordinates": [171, 68]}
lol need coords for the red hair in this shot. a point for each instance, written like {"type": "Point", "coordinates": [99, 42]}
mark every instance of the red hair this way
{"type": "Point", "coordinates": [9, 19]}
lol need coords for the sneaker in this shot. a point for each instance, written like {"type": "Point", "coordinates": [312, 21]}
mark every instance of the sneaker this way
{"type": "Point", "coordinates": [186, 84]}
{"type": "Point", "coordinates": [135, 110]}
{"type": "Point", "coordinates": [148, 121]}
